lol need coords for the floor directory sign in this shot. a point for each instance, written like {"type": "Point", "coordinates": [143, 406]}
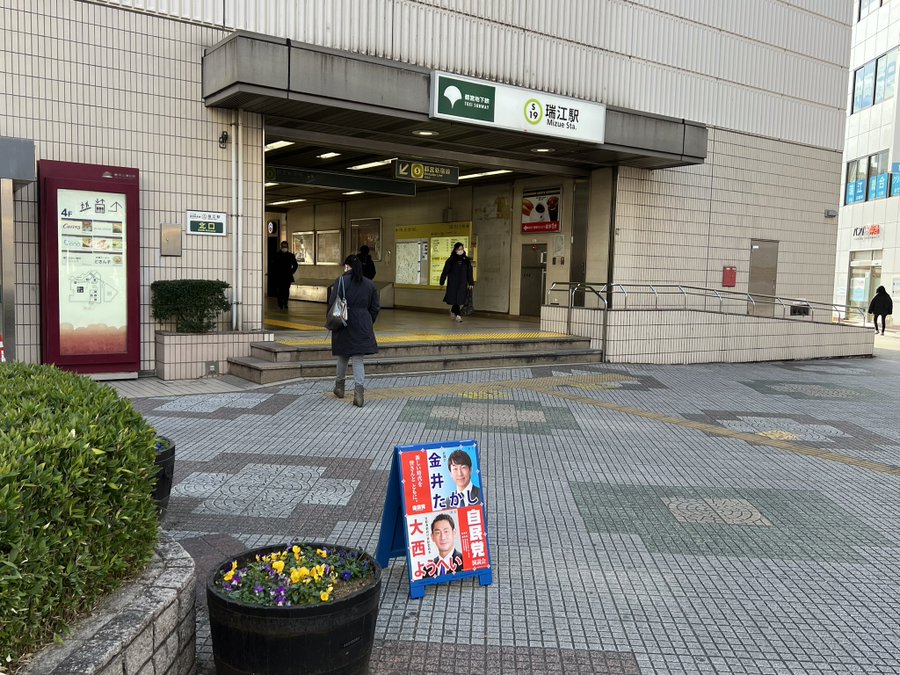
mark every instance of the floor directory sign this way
{"type": "Point", "coordinates": [90, 267]}
{"type": "Point", "coordinates": [434, 514]}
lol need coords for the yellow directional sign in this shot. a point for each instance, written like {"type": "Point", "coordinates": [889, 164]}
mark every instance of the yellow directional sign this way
{"type": "Point", "coordinates": [426, 172]}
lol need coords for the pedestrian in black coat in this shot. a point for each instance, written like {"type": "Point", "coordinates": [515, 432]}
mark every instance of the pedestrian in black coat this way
{"type": "Point", "coordinates": [368, 265]}
{"type": "Point", "coordinates": [882, 306]}
{"type": "Point", "coordinates": [357, 338]}
{"type": "Point", "coordinates": [458, 275]}
{"type": "Point", "coordinates": [285, 266]}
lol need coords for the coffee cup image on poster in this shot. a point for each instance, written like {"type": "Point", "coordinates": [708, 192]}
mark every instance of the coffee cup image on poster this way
{"type": "Point", "coordinates": [540, 210]}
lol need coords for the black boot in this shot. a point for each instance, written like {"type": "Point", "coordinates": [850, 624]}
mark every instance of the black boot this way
{"type": "Point", "coordinates": [358, 396]}
{"type": "Point", "coordinates": [339, 388]}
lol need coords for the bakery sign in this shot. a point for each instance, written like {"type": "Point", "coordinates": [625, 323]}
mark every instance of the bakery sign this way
{"type": "Point", "coordinates": [465, 99]}
{"type": "Point", "coordinates": [867, 238]}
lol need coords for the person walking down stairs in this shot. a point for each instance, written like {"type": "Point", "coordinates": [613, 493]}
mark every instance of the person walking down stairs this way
{"type": "Point", "coordinates": [458, 275]}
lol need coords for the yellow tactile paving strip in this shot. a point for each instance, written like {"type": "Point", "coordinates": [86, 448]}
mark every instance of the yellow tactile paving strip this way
{"type": "Point", "coordinates": [430, 337]}
{"type": "Point", "coordinates": [292, 325]}
{"type": "Point", "coordinates": [550, 387]}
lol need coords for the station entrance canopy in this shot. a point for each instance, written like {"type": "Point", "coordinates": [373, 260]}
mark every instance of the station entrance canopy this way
{"type": "Point", "coordinates": [339, 99]}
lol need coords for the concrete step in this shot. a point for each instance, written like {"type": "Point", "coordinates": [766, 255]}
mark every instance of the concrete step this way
{"type": "Point", "coordinates": [277, 352]}
{"type": "Point", "coordinates": [265, 372]}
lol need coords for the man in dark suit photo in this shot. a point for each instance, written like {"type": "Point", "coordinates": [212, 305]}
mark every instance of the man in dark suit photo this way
{"type": "Point", "coordinates": [448, 560]}
{"type": "Point", "coordinates": [460, 465]}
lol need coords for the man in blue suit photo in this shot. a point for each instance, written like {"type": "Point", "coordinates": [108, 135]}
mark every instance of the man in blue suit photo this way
{"type": "Point", "coordinates": [448, 560]}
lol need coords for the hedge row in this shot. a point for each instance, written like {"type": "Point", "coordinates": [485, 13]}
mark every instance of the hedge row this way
{"type": "Point", "coordinates": [77, 469]}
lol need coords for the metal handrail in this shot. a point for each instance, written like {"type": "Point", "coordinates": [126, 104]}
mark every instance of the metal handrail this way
{"type": "Point", "coordinates": [753, 301]}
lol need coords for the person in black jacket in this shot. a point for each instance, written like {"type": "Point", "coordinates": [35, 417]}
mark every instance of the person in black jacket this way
{"type": "Point", "coordinates": [368, 265]}
{"type": "Point", "coordinates": [357, 338]}
{"type": "Point", "coordinates": [285, 266]}
{"type": "Point", "coordinates": [882, 306]}
{"type": "Point", "coordinates": [458, 275]}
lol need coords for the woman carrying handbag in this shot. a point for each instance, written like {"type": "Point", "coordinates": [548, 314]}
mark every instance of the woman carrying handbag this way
{"type": "Point", "coordinates": [357, 338]}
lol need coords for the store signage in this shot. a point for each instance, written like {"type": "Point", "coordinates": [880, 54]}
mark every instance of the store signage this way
{"type": "Point", "coordinates": [878, 186]}
{"type": "Point", "coordinates": [496, 105]}
{"type": "Point", "coordinates": [866, 238]}
{"type": "Point", "coordinates": [434, 515]}
{"type": "Point", "coordinates": [540, 210]}
{"type": "Point", "coordinates": [206, 222]}
{"type": "Point", "coordinates": [426, 172]}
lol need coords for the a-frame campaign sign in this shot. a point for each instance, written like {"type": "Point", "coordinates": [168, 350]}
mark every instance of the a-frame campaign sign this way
{"type": "Point", "coordinates": [434, 515]}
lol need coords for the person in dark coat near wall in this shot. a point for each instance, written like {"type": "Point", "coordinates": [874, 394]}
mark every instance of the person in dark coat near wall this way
{"type": "Point", "coordinates": [285, 266]}
{"type": "Point", "coordinates": [458, 275]}
{"type": "Point", "coordinates": [368, 265]}
{"type": "Point", "coordinates": [882, 306]}
{"type": "Point", "coordinates": [350, 343]}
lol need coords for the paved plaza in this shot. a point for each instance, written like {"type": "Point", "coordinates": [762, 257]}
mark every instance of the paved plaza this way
{"type": "Point", "coordinates": [642, 519]}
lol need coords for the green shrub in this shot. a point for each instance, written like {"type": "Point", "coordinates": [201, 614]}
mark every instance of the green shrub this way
{"type": "Point", "coordinates": [193, 304]}
{"type": "Point", "coordinates": [77, 468]}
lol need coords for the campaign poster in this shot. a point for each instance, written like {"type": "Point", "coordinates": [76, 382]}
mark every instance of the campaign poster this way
{"type": "Point", "coordinates": [443, 496]}
{"type": "Point", "coordinates": [540, 210]}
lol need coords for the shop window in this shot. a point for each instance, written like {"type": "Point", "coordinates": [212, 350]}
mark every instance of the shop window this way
{"type": "Point", "coordinates": [875, 82]}
{"type": "Point", "coordinates": [878, 175]}
{"type": "Point", "coordinates": [866, 7]}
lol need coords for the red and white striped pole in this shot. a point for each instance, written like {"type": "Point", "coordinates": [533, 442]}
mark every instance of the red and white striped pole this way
{"type": "Point", "coordinates": [2, 351]}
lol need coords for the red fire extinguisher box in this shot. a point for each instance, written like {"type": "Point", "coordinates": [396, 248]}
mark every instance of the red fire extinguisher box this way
{"type": "Point", "coordinates": [729, 277]}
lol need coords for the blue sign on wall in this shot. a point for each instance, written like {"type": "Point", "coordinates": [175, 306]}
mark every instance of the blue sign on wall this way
{"type": "Point", "coordinates": [860, 191]}
{"type": "Point", "coordinates": [878, 186]}
{"type": "Point", "coordinates": [895, 184]}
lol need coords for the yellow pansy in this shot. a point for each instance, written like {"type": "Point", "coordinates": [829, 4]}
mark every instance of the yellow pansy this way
{"type": "Point", "coordinates": [295, 575]}
{"type": "Point", "coordinates": [321, 553]}
{"type": "Point", "coordinates": [278, 566]}
{"type": "Point", "coordinates": [296, 550]}
{"type": "Point", "coordinates": [229, 575]}
{"type": "Point", "coordinates": [303, 572]}
{"type": "Point", "coordinates": [324, 595]}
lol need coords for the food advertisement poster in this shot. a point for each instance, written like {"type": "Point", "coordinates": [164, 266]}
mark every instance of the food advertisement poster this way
{"type": "Point", "coordinates": [443, 496]}
{"type": "Point", "coordinates": [93, 304]}
{"type": "Point", "coordinates": [540, 210]}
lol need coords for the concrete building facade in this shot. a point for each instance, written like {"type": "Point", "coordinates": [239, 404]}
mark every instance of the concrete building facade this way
{"type": "Point", "coordinates": [724, 124]}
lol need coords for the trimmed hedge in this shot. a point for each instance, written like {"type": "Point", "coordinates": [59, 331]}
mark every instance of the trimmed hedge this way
{"type": "Point", "coordinates": [192, 304]}
{"type": "Point", "coordinates": [77, 469]}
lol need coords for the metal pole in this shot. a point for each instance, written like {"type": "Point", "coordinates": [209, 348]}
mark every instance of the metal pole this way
{"type": "Point", "coordinates": [610, 259]}
{"type": "Point", "coordinates": [8, 268]}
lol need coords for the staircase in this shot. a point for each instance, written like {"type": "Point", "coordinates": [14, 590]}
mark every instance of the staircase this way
{"type": "Point", "coordinates": [274, 361]}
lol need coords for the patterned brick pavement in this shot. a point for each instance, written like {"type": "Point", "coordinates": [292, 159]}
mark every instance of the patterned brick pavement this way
{"type": "Point", "coordinates": [642, 519]}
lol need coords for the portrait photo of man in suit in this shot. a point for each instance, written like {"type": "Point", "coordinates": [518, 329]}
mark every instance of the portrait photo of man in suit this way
{"type": "Point", "coordinates": [448, 560]}
{"type": "Point", "coordinates": [460, 465]}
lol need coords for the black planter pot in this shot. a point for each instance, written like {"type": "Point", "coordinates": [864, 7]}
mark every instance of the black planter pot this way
{"type": "Point", "coordinates": [334, 637]}
{"type": "Point", "coordinates": [165, 462]}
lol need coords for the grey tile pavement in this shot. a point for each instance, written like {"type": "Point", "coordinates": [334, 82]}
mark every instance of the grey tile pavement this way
{"type": "Point", "coordinates": [642, 519]}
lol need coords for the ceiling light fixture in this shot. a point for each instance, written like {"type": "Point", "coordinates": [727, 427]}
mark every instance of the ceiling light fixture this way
{"type": "Point", "coordinates": [543, 149]}
{"type": "Point", "coordinates": [328, 155]}
{"type": "Point", "coordinates": [424, 132]}
{"type": "Point", "coordinates": [286, 201]}
{"type": "Point", "coordinates": [485, 173]}
{"type": "Point", "coordinates": [271, 184]}
{"type": "Point", "coordinates": [353, 192]}
{"type": "Point", "coordinates": [371, 165]}
{"type": "Point", "coordinates": [275, 145]}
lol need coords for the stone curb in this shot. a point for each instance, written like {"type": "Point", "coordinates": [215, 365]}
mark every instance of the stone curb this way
{"type": "Point", "coordinates": [146, 628]}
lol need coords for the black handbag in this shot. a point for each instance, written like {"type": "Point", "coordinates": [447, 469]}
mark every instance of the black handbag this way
{"type": "Point", "coordinates": [468, 307]}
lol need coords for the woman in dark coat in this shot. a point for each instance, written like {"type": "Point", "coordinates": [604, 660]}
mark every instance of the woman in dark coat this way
{"type": "Point", "coordinates": [881, 305]}
{"type": "Point", "coordinates": [458, 275]}
{"type": "Point", "coordinates": [357, 338]}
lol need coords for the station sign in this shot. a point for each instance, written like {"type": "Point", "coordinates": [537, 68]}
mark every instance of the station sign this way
{"type": "Point", "coordinates": [465, 99]}
{"type": "Point", "coordinates": [206, 222]}
{"type": "Point", "coordinates": [426, 172]}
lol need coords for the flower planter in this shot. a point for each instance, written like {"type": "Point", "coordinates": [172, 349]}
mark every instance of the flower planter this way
{"type": "Point", "coordinates": [165, 460]}
{"type": "Point", "coordinates": [327, 637]}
